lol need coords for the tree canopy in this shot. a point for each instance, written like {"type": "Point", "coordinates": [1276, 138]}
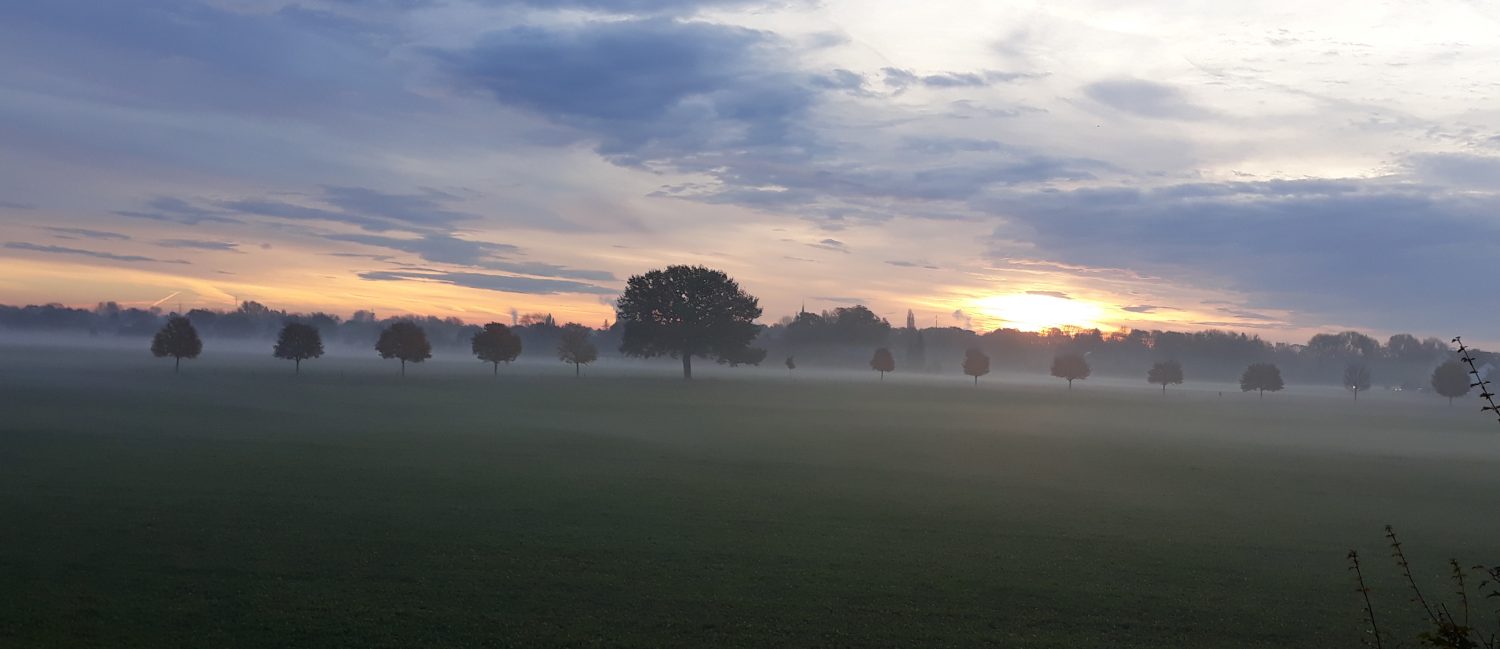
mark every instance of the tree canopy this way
{"type": "Point", "coordinates": [1072, 367]}
{"type": "Point", "coordinates": [574, 346]}
{"type": "Point", "coordinates": [1357, 378]}
{"type": "Point", "coordinates": [177, 339]}
{"type": "Point", "coordinates": [687, 311]}
{"type": "Point", "coordinates": [1451, 380]}
{"type": "Point", "coordinates": [405, 341]}
{"type": "Point", "coordinates": [298, 342]}
{"type": "Point", "coordinates": [1164, 373]}
{"type": "Point", "coordinates": [496, 344]}
{"type": "Point", "coordinates": [1261, 377]}
{"type": "Point", "coordinates": [883, 362]}
{"type": "Point", "coordinates": [976, 363]}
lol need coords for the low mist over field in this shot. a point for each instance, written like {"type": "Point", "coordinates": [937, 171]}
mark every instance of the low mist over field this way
{"type": "Point", "coordinates": [749, 323]}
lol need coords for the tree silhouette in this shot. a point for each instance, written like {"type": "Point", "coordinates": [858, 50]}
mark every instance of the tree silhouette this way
{"type": "Point", "coordinates": [406, 341]}
{"type": "Point", "coordinates": [976, 364]}
{"type": "Point", "coordinates": [177, 339]}
{"type": "Point", "coordinates": [743, 356]}
{"type": "Point", "coordinates": [686, 311]}
{"type": "Point", "coordinates": [1261, 377]}
{"type": "Point", "coordinates": [1357, 378]}
{"type": "Point", "coordinates": [574, 346]}
{"type": "Point", "coordinates": [1071, 367]}
{"type": "Point", "coordinates": [883, 362]}
{"type": "Point", "coordinates": [1451, 380]}
{"type": "Point", "coordinates": [791, 364]}
{"type": "Point", "coordinates": [1164, 373]}
{"type": "Point", "coordinates": [496, 344]}
{"type": "Point", "coordinates": [298, 342]}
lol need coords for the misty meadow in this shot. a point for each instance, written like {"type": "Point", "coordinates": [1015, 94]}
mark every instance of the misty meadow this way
{"type": "Point", "coordinates": [749, 323]}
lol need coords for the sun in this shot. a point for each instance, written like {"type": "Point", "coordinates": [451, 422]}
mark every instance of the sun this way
{"type": "Point", "coordinates": [1032, 312]}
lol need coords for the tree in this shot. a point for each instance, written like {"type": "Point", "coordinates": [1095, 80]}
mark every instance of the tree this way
{"type": "Point", "coordinates": [406, 341]}
{"type": "Point", "coordinates": [976, 364]}
{"type": "Point", "coordinates": [743, 356]}
{"type": "Point", "coordinates": [496, 344]}
{"type": "Point", "coordinates": [1261, 377]}
{"type": "Point", "coordinates": [1451, 380]}
{"type": "Point", "coordinates": [298, 342]}
{"type": "Point", "coordinates": [1357, 378]}
{"type": "Point", "coordinates": [791, 364]}
{"type": "Point", "coordinates": [1071, 367]}
{"type": "Point", "coordinates": [883, 362]}
{"type": "Point", "coordinates": [177, 339]}
{"type": "Point", "coordinates": [686, 311]}
{"type": "Point", "coordinates": [574, 347]}
{"type": "Point", "coordinates": [1165, 373]}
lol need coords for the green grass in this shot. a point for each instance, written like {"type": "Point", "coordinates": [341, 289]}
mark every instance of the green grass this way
{"type": "Point", "coordinates": [238, 506]}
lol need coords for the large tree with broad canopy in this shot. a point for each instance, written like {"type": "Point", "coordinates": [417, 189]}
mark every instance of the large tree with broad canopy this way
{"type": "Point", "coordinates": [687, 311]}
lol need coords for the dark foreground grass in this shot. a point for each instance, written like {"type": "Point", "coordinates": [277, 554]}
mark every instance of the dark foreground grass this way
{"type": "Point", "coordinates": [245, 508]}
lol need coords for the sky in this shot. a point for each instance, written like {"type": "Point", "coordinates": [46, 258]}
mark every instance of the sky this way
{"type": "Point", "coordinates": [1274, 167]}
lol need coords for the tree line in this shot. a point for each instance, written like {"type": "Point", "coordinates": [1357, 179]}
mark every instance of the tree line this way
{"type": "Point", "coordinates": [691, 311]}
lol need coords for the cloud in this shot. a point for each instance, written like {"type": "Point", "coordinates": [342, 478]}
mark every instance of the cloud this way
{"type": "Point", "coordinates": [489, 282]}
{"type": "Point", "coordinates": [901, 79]}
{"type": "Point", "coordinates": [1328, 249]}
{"type": "Point", "coordinates": [59, 250]}
{"type": "Point", "coordinates": [913, 264]}
{"type": "Point", "coordinates": [437, 248]}
{"type": "Point", "coordinates": [1146, 308]}
{"type": "Point", "coordinates": [12, 205]}
{"type": "Point", "coordinates": [1145, 99]}
{"type": "Point", "coordinates": [171, 209]}
{"type": "Point", "coordinates": [85, 233]}
{"type": "Point", "coordinates": [1056, 294]}
{"type": "Point", "coordinates": [830, 244]}
{"type": "Point", "coordinates": [839, 299]}
{"type": "Point", "coordinates": [196, 244]}
{"type": "Point", "coordinates": [647, 89]}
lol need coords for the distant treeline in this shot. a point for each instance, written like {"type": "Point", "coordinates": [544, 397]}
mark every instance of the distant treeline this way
{"type": "Point", "coordinates": [839, 338]}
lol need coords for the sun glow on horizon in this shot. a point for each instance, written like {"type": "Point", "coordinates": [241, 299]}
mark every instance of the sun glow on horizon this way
{"type": "Point", "coordinates": [1034, 312]}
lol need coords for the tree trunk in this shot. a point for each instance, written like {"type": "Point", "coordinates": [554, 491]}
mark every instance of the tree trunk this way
{"type": "Point", "coordinates": [1070, 384]}
{"type": "Point", "coordinates": [687, 366]}
{"type": "Point", "coordinates": [297, 366]}
{"type": "Point", "coordinates": [1163, 389]}
{"type": "Point", "coordinates": [577, 369]}
{"type": "Point", "coordinates": [403, 368]}
{"type": "Point", "coordinates": [882, 376]}
{"type": "Point", "coordinates": [1262, 394]}
{"type": "Point", "coordinates": [976, 380]}
{"type": "Point", "coordinates": [1450, 401]}
{"type": "Point", "coordinates": [177, 368]}
{"type": "Point", "coordinates": [1356, 394]}
{"type": "Point", "coordinates": [497, 368]}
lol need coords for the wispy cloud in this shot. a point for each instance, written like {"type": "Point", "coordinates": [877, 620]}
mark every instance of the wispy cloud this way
{"type": "Point", "coordinates": [60, 250]}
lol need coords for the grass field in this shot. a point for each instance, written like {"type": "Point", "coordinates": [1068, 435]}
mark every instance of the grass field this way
{"type": "Point", "coordinates": [238, 506]}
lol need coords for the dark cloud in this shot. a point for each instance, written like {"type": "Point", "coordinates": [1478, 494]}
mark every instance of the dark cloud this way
{"type": "Point", "coordinates": [1145, 98]}
{"type": "Point", "coordinates": [197, 244]}
{"type": "Point", "coordinates": [437, 248]}
{"type": "Point", "coordinates": [1345, 250]}
{"type": "Point", "coordinates": [1455, 169]}
{"type": "Point", "coordinates": [489, 282]}
{"type": "Point", "coordinates": [59, 250]}
{"type": "Point", "coordinates": [648, 89]}
{"type": "Point", "coordinates": [12, 205]}
{"type": "Point", "coordinates": [839, 299]}
{"type": "Point", "coordinates": [85, 233]}
{"type": "Point", "coordinates": [831, 244]}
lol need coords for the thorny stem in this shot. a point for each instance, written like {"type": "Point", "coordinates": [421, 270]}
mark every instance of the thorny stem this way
{"type": "Point", "coordinates": [1406, 572]}
{"type": "Point", "coordinates": [1364, 591]}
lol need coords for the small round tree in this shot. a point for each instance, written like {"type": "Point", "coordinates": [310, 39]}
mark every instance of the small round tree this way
{"type": "Point", "coordinates": [177, 339]}
{"type": "Point", "coordinates": [1071, 367]}
{"type": "Point", "coordinates": [976, 363]}
{"type": "Point", "coordinates": [1451, 380]}
{"type": "Point", "coordinates": [406, 341]}
{"type": "Point", "coordinates": [1357, 378]}
{"type": "Point", "coordinates": [883, 362]}
{"type": "Point", "coordinates": [298, 342]}
{"type": "Point", "coordinates": [496, 344]}
{"type": "Point", "coordinates": [1262, 377]}
{"type": "Point", "coordinates": [1164, 373]}
{"type": "Point", "coordinates": [791, 364]}
{"type": "Point", "coordinates": [574, 347]}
